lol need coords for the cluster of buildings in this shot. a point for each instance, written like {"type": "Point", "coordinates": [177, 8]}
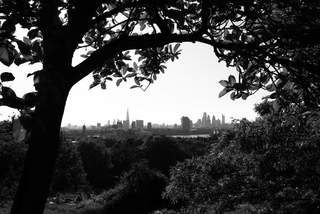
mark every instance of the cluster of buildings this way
{"type": "Point", "coordinates": [205, 122]}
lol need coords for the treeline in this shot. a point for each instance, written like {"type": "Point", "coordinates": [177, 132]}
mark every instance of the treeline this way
{"type": "Point", "coordinates": [95, 164]}
{"type": "Point", "coordinates": [271, 165]}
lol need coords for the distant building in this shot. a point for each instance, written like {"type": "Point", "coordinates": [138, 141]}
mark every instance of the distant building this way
{"type": "Point", "coordinates": [208, 122]}
{"type": "Point", "coordinates": [218, 122]}
{"type": "Point", "coordinates": [223, 120]}
{"type": "Point", "coordinates": [198, 124]}
{"type": "Point", "coordinates": [126, 123]}
{"type": "Point", "coordinates": [119, 124]}
{"type": "Point", "coordinates": [186, 123]}
{"type": "Point", "coordinates": [133, 125]}
{"type": "Point", "coordinates": [204, 120]}
{"type": "Point", "coordinates": [98, 125]}
{"type": "Point", "coordinates": [214, 122]}
{"type": "Point", "coordinates": [139, 124]}
{"type": "Point", "coordinates": [149, 125]}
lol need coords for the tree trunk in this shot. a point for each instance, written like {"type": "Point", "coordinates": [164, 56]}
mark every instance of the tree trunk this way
{"type": "Point", "coordinates": [43, 148]}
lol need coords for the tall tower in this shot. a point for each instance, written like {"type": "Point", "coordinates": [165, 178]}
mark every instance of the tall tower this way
{"type": "Point", "coordinates": [127, 121]}
{"type": "Point", "coordinates": [223, 119]}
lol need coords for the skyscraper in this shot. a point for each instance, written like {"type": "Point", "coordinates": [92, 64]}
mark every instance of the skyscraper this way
{"type": "Point", "coordinates": [126, 123]}
{"type": "Point", "coordinates": [208, 122]}
{"type": "Point", "coordinates": [214, 122]}
{"type": "Point", "coordinates": [223, 120]}
{"type": "Point", "coordinates": [204, 120]}
{"type": "Point", "coordinates": [139, 124]}
{"type": "Point", "coordinates": [186, 123]}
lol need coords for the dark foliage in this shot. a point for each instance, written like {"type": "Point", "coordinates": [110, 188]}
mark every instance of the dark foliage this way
{"type": "Point", "coordinates": [267, 166]}
{"type": "Point", "coordinates": [97, 163]}
{"type": "Point", "coordinates": [70, 175]}
{"type": "Point", "coordinates": [162, 153]}
{"type": "Point", "coordinates": [139, 191]}
{"type": "Point", "coordinates": [11, 161]}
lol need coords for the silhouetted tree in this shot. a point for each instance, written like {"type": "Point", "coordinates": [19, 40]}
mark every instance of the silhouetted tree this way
{"type": "Point", "coordinates": [259, 37]}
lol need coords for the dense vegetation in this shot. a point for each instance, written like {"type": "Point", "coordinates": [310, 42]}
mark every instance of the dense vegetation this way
{"type": "Point", "coordinates": [271, 165]}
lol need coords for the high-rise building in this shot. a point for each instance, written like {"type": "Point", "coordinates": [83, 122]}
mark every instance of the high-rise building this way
{"type": "Point", "coordinates": [214, 122]}
{"type": "Point", "coordinates": [126, 123]}
{"type": "Point", "coordinates": [208, 122]}
{"type": "Point", "coordinates": [204, 119]}
{"type": "Point", "coordinates": [198, 124]}
{"type": "Point", "coordinates": [139, 124]}
{"type": "Point", "coordinates": [223, 120]}
{"type": "Point", "coordinates": [218, 123]}
{"type": "Point", "coordinates": [133, 124]}
{"type": "Point", "coordinates": [186, 123]}
{"type": "Point", "coordinates": [149, 125]}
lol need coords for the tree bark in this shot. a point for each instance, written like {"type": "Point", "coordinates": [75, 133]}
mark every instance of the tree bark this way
{"type": "Point", "coordinates": [43, 148]}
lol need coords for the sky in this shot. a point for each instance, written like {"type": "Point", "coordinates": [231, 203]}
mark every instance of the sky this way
{"type": "Point", "coordinates": [189, 87]}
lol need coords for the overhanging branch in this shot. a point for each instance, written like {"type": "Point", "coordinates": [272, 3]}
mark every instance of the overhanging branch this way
{"type": "Point", "coordinates": [127, 43]}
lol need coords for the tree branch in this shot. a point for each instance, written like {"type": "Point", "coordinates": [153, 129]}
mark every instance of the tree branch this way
{"type": "Point", "coordinates": [98, 58]}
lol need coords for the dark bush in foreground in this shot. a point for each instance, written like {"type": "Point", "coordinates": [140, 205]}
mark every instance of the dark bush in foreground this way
{"type": "Point", "coordinates": [139, 191]}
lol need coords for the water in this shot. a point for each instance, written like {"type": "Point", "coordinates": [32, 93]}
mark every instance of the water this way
{"type": "Point", "coordinates": [191, 136]}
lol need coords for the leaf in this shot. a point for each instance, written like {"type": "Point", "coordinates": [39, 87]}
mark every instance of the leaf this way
{"type": "Point", "coordinates": [131, 75]}
{"type": "Point", "coordinates": [20, 60]}
{"type": "Point", "coordinates": [6, 76]}
{"type": "Point", "coordinates": [271, 87]}
{"type": "Point", "coordinates": [140, 58]}
{"type": "Point", "coordinates": [33, 33]}
{"type": "Point", "coordinates": [224, 83]}
{"type": "Point", "coordinates": [118, 82]}
{"type": "Point", "coordinates": [135, 86]}
{"type": "Point", "coordinates": [7, 92]}
{"type": "Point", "coordinates": [135, 66]}
{"type": "Point", "coordinates": [176, 47]}
{"type": "Point", "coordinates": [232, 95]}
{"type": "Point", "coordinates": [24, 48]}
{"type": "Point", "coordinates": [94, 84]}
{"type": "Point", "coordinates": [9, 26]}
{"type": "Point", "coordinates": [232, 80]}
{"type": "Point", "coordinates": [136, 80]}
{"type": "Point", "coordinates": [273, 95]}
{"type": "Point", "coordinates": [244, 96]}
{"type": "Point", "coordinates": [224, 91]}
{"type": "Point", "coordinates": [30, 99]}
{"type": "Point", "coordinates": [27, 41]}
{"type": "Point", "coordinates": [103, 85]}
{"type": "Point", "coordinates": [6, 56]}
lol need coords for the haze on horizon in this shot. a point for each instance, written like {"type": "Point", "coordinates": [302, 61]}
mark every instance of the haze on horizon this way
{"type": "Point", "coordinates": [189, 87]}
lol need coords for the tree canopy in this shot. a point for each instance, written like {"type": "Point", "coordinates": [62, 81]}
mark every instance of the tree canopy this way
{"type": "Point", "coordinates": [273, 44]}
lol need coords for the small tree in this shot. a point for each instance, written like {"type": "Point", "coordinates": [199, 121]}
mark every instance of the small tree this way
{"type": "Point", "coordinates": [259, 38]}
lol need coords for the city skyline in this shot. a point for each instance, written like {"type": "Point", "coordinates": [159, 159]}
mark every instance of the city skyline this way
{"type": "Point", "coordinates": [127, 123]}
{"type": "Point", "coordinates": [190, 86]}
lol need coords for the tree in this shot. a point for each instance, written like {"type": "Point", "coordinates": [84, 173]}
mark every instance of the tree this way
{"type": "Point", "coordinates": [267, 41]}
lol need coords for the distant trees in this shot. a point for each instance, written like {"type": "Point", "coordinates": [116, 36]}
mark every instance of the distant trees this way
{"type": "Point", "coordinates": [272, 44]}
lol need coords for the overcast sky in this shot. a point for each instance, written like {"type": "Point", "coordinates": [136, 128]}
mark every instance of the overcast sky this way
{"type": "Point", "coordinates": [189, 87]}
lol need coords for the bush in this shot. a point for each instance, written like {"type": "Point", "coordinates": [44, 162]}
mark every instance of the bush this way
{"type": "Point", "coordinates": [69, 174]}
{"type": "Point", "coordinates": [139, 191]}
{"type": "Point", "coordinates": [96, 160]}
{"type": "Point", "coordinates": [162, 153]}
{"type": "Point", "coordinates": [267, 166]}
